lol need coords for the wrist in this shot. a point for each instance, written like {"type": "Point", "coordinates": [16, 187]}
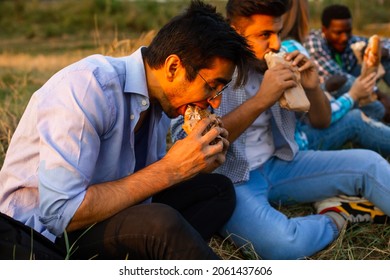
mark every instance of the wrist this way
{"type": "Point", "coordinates": [353, 96]}
{"type": "Point", "coordinates": [349, 97]}
{"type": "Point", "coordinates": [311, 91]}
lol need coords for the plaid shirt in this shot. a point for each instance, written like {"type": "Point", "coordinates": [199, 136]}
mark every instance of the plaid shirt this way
{"type": "Point", "coordinates": [324, 56]}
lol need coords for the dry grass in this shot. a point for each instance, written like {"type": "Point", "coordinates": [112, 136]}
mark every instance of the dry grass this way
{"type": "Point", "coordinates": [21, 74]}
{"type": "Point", "coordinates": [8, 122]}
{"type": "Point", "coordinates": [27, 62]}
{"type": "Point", "coordinates": [124, 47]}
{"type": "Point", "coordinates": [362, 241]}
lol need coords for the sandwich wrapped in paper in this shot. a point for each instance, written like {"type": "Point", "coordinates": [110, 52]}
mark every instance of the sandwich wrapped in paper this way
{"type": "Point", "coordinates": [372, 56]}
{"type": "Point", "coordinates": [370, 60]}
{"type": "Point", "coordinates": [194, 114]}
{"type": "Point", "coordinates": [294, 99]}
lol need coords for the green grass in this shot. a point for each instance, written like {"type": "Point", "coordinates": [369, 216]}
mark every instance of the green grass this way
{"type": "Point", "coordinates": [17, 83]}
{"type": "Point", "coordinates": [22, 71]}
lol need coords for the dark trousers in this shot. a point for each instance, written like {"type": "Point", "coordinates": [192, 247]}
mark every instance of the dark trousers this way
{"type": "Point", "coordinates": [20, 242]}
{"type": "Point", "coordinates": [176, 225]}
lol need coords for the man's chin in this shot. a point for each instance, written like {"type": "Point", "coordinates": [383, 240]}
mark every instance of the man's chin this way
{"type": "Point", "coordinates": [261, 66]}
{"type": "Point", "coordinates": [340, 48]}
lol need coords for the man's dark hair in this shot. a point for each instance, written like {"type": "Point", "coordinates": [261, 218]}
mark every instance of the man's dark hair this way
{"type": "Point", "coordinates": [335, 11]}
{"type": "Point", "coordinates": [198, 36]}
{"type": "Point", "coordinates": [245, 8]}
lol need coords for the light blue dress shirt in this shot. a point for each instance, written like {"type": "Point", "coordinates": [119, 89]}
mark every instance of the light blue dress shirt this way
{"type": "Point", "coordinates": [77, 130]}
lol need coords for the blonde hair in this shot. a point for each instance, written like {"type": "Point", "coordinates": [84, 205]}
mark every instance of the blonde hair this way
{"type": "Point", "coordinates": [296, 21]}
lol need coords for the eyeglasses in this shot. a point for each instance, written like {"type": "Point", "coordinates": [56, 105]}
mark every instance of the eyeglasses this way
{"type": "Point", "coordinates": [213, 88]}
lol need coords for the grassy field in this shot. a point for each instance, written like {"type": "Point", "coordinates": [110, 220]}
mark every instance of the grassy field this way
{"type": "Point", "coordinates": [21, 74]}
{"type": "Point", "coordinates": [27, 61]}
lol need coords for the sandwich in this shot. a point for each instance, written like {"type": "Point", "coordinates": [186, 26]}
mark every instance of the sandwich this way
{"type": "Point", "coordinates": [371, 63]}
{"type": "Point", "coordinates": [294, 99]}
{"type": "Point", "coordinates": [194, 114]}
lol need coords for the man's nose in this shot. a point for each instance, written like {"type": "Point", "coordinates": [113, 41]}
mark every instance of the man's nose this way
{"type": "Point", "coordinates": [275, 43]}
{"type": "Point", "coordinates": [215, 102]}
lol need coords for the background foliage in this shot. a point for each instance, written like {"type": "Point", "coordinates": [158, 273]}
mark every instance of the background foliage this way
{"type": "Point", "coordinates": [44, 19]}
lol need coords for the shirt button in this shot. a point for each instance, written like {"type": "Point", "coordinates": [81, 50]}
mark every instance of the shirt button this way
{"type": "Point", "coordinates": [131, 117]}
{"type": "Point", "coordinates": [144, 102]}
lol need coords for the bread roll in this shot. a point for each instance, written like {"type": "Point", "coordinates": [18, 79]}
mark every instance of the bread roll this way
{"type": "Point", "coordinates": [372, 56]}
{"type": "Point", "coordinates": [294, 99]}
{"type": "Point", "coordinates": [194, 114]}
{"type": "Point", "coordinates": [371, 63]}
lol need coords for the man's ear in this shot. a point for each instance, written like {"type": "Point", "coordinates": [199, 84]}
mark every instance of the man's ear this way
{"type": "Point", "coordinates": [323, 29]}
{"type": "Point", "coordinates": [239, 25]}
{"type": "Point", "coordinates": [172, 66]}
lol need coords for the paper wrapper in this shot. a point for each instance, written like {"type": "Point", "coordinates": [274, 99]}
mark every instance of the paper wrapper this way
{"type": "Point", "coordinates": [294, 99]}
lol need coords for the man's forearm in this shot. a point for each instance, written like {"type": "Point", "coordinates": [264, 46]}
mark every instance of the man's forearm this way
{"type": "Point", "coordinates": [104, 200]}
{"type": "Point", "coordinates": [320, 110]}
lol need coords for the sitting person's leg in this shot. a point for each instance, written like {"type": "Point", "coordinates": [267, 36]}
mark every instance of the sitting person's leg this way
{"type": "Point", "coordinates": [258, 225]}
{"type": "Point", "coordinates": [146, 231]}
{"type": "Point", "coordinates": [20, 242]}
{"type": "Point", "coordinates": [311, 176]}
{"type": "Point", "coordinates": [354, 127]}
{"type": "Point", "coordinates": [324, 174]}
{"type": "Point", "coordinates": [375, 110]}
{"type": "Point", "coordinates": [205, 201]}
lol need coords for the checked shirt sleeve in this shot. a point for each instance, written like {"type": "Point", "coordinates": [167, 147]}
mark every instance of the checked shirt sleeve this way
{"type": "Point", "coordinates": [340, 106]}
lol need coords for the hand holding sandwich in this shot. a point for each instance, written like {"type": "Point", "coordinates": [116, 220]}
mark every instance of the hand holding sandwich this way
{"type": "Point", "coordinates": [305, 94]}
{"type": "Point", "coordinates": [319, 112]}
{"type": "Point", "coordinates": [205, 147]}
{"type": "Point", "coordinates": [310, 80]}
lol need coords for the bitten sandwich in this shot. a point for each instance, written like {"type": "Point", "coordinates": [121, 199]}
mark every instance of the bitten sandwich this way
{"type": "Point", "coordinates": [194, 114]}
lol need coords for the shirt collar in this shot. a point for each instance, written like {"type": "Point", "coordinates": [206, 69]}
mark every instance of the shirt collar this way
{"type": "Point", "coordinates": [135, 80]}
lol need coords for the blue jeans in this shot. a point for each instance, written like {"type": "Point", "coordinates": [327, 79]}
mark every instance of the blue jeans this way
{"type": "Point", "coordinates": [310, 177]}
{"type": "Point", "coordinates": [365, 132]}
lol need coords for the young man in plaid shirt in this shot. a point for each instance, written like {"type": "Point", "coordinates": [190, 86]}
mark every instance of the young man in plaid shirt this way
{"type": "Point", "coordinates": [331, 49]}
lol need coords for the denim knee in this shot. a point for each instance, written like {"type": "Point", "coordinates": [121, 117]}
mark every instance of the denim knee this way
{"type": "Point", "coordinates": [301, 237]}
{"type": "Point", "coordinates": [375, 110]}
